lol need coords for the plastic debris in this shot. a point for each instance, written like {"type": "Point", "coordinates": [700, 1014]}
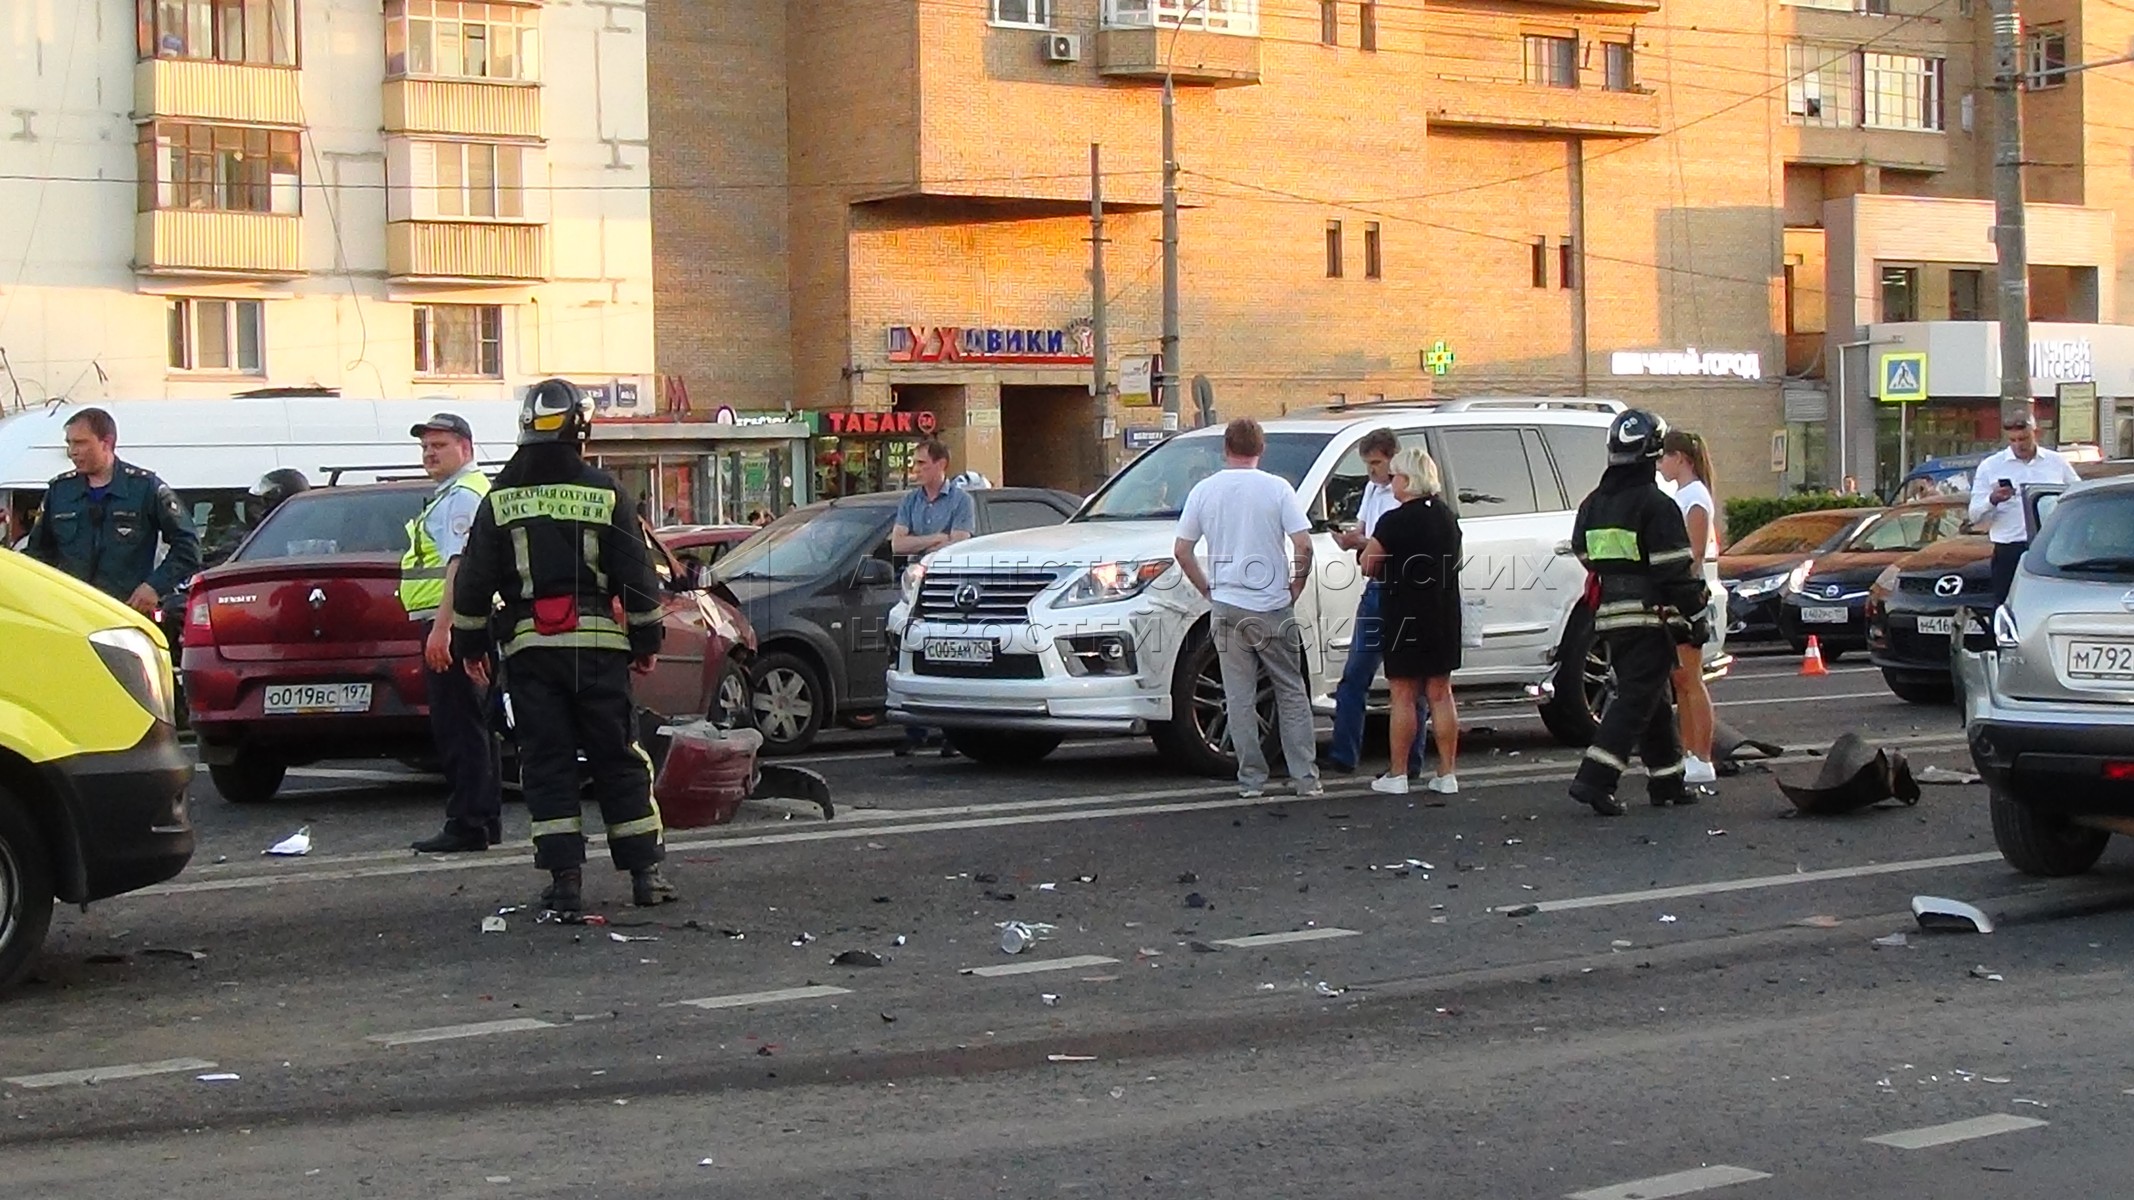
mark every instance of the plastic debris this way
{"type": "Point", "coordinates": [1523, 910]}
{"type": "Point", "coordinates": [1085, 879]}
{"type": "Point", "coordinates": [1853, 777]}
{"type": "Point", "coordinates": [1048, 887]}
{"type": "Point", "coordinates": [1515, 841]}
{"type": "Point", "coordinates": [803, 939]}
{"type": "Point", "coordinates": [704, 1162]}
{"type": "Point", "coordinates": [1018, 936]}
{"type": "Point", "coordinates": [1621, 944]}
{"type": "Point", "coordinates": [296, 845]}
{"type": "Point", "coordinates": [1070, 1058]}
{"type": "Point", "coordinates": [1196, 900]}
{"type": "Point", "coordinates": [630, 937]}
{"type": "Point", "coordinates": [1327, 989]}
{"type": "Point", "coordinates": [1936, 913]}
{"type": "Point", "coordinates": [1668, 918]}
{"type": "Point", "coordinates": [898, 940]}
{"type": "Point", "coordinates": [493, 925]}
{"type": "Point", "coordinates": [1715, 833]}
{"type": "Point", "coordinates": [1118, 1093]}
{"type": "Point", "coordinates": [1204, 948]}
{"type": "Point", "coordinates": [1893, 941]}
{"type": "Point", "coordinates": [1944, 775]}
{"type": "Point", "coordinates": [857, 958]}
{"type": "Point", "coordinates": [1983, 973]}
{"type": "Point", "coordinates": [509, 909]}
{"type": "Point", "coordinates": [1188, 877]}
{"type": "Point", "coordinates": [218, 1077]}
{"type": "Point", "coordinates": [889, 1018]}
{"type": "Point", "coordinates": [2032, 1103]}
{"type": "Point", "coordinates": [1051, 999]}
{"type": "Point", "coordinates": [176, 952]}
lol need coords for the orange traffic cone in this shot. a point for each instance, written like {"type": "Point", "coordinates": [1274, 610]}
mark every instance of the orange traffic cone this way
{"type": "Point", "coordinates": [1812, 662]}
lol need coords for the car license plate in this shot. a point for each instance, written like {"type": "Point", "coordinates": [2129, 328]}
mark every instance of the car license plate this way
{"type": "Point", "coordinates": [959, 650]}
{"type": "Point", "coordinates": [1826, 616]}
{"type": "Point", "coordinates": [1941, 625]}
{"type": "Point", "coordinates": [296, 699]}
{"type": "Point", "coordinates": [2100, 660]}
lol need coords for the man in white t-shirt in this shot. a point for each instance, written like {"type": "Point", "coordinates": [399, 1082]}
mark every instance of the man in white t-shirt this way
{"type": "Point", "coordinates": [1997, 495]}
{"type": "Point", "coordinates": [1259, 558]}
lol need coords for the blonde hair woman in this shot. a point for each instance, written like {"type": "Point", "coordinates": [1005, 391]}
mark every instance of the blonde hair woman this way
{"type": "Point", "coordinates": [1414, 552]}
{"type": "Point", "coordinates": [1686, 462]}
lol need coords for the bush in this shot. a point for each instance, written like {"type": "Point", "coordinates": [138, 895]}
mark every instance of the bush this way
{"type": "Point", "coordinates": [1746, 514]}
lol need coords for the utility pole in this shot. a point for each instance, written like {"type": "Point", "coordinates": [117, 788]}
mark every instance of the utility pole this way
{"type": "Point", "coordinates": [1100, 351]}
{"type": "Point", "coordinates": [1167, 380]}
{"type": "Point", "coordinates": [2009, 244]}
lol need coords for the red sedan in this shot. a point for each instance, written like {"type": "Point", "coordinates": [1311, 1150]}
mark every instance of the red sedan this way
{"type": "Point", "coordinates": [297, 649]}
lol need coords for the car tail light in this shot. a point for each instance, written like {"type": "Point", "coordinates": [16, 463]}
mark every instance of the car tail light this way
{"type": "Point", "coordinates": [2119, 772]}
{"type": "Point", "coordinates": [199, 627]}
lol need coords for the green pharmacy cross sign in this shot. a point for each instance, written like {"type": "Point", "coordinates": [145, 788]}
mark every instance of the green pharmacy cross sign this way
{"type": "Point", "coordinates": [1439, 359]}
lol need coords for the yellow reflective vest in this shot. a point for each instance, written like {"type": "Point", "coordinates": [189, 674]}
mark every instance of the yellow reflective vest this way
{"type": "Point", "coordinates": [422, 568]}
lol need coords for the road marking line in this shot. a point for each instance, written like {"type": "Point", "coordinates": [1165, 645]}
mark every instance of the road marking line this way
{"type": "Point", "coordinates": [168, 1066]}
{"type": "Point", "coordinates": [1759, 882]}
{"type": "Point", "coordinates": [1885, 694]}
{"type": "Point", "coordinates": [1041, 965]}
{"type": "Point", "coordinates": [1955, 1131]}
{"type": "Point", "coordinates": [1681, 1183]}
{"type": "Point", "coordinates": [779, 996]}
{"type": "Point", "coordinates": [1294, 935]}
{"type": "Point", "coordinates": [321, 870]}
{"type": "Point", "coordinates": [446, 1033]}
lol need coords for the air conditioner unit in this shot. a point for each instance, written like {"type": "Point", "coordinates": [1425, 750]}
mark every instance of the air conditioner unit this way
{"type": "Point", "coordinates": [1063, 48]}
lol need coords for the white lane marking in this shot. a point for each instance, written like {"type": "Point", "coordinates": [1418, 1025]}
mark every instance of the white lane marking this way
{"type": "Point", "coordinates": [779, 996]}
{"type": "Point", "coordinates": [446, 1033]}
{"type": "Point", "coordinates": [1042, 965]}
{"type": "Point", "coordinates": [1681, 1183]}
{"type": "Point", "coordinates": [1885, 694]}
{"type": "Point", "coordinates": [168, 1066]}
{"type": "Point", "coordinates": [322, 870]}
{"type": "Point", "coordinates": [1294, 935]}
{"type": "Point", "coordinates": [1759, 882]}
{"type": "Point", "coordinates": [1955, 1131]}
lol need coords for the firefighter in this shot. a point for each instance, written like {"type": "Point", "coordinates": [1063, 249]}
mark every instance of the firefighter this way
{"type": "Point", "coordinates": [1646, 601]}
{"type": "Point", "coordinates": [559, 541]}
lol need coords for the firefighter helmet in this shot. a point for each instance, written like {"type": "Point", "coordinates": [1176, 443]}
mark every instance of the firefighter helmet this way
{"type": "Point", "coordinates": [555, 410]}
{"type": "Point", "coordinates": [1635, 436]}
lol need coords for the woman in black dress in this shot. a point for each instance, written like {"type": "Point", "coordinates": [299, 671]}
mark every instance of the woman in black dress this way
{"type": "Point", "coordinates": [1415, 553]}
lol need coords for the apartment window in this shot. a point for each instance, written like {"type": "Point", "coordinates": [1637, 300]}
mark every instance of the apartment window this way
{"type": "Point", "coordinates": [1900, 91]}
{"type": "Point", "coordinates": [1900, 293]}
{"type": "Point", "coordinates": [1552, 61]}
{"type": "Point", "coordinates": [254, 32]}
{"type": "Point", "coordinates": [1967, 295]}
{"type": "Point", "coordinates": [1567, 263]}
{"type": "Point", "coordinates": [1538, 261]}
{"type": "Point", "coordinates": [1833, 5]}
{"type": "Point", "coordinates": [1819, 86]}
{"type": "Point", "coordinates": [2045, 57]}
{"type": "Point", "coordinates": [1619, 67]}
{"type": "Point", "coordinates": [1240, 17]}
{"type": "Point", "coordinates": [221, 336]}
{"type": "Point", "coordinates": [1023, 14]}
{"type": "Point", "coordinates": [1367, 26]}
{"type": "Point", "coordinates": [459, 340]}
{"type": "Point", "coordinates": [1374, 263]}
{"type": "Point", "coordinates": [464, 39]}
{"type": "Point", "coordinates": [220, 168]}
{"type": "Point", "coordinates": [1333, 249]}
{"type": "Point", "coordinates": [1329, 22]}
{"type": "Point", "coordinates": [476, 179]}
{"type": "Point", "coordinates": [1875, 8]}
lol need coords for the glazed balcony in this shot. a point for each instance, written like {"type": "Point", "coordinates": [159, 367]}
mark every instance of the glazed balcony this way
{"type": "Point", "coordinates": [242, 245]}
{"type": "Point", "coordinates": [1209, 42]}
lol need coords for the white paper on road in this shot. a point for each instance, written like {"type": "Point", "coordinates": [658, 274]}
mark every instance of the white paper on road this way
{"type": "Point", "coordinates": [296, 845]}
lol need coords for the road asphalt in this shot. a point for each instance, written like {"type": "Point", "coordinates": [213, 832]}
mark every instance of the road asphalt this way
{"type": "Point", "coordinates": [1495, 995]}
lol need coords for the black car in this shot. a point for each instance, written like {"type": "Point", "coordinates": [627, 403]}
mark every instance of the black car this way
{"type": "Point", "coordinates": [818, 584]}
{"type": "Point", "coordinates": [1826, 596]}
{"type": "Point", "coordinates": [1754, 569]}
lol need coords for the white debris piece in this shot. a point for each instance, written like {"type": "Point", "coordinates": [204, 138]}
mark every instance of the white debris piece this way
{"type": "Point", "coordinates": [296, 845]}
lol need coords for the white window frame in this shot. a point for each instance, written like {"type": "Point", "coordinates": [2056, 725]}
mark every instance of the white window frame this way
{"type": "Point", "coordinates": [1550, 59]}
{"type": "Point", "coordinates": [1822, 86]}
{"type": "Point", "coordinates": [438, 180]}
{"type": "Point", "coordinates": [1040, 14]}
{"type": "Point", "coordinates": [1240, 17]}
{"type": "Point", "coordinates": [409, 23]}
{"type": "Point", "coordinates": [1901, 92]}
{"type": "Point", "coordinates": [1826, 5]}
{"type": "Point", "coordinates": [2037, 63]}
{"type": "Point", "coordinates": [430, 346]}
{"type": "Point", "coordinates": [187, 317]}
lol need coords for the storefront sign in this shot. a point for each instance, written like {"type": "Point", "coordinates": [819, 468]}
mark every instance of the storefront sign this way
{"type": "Point", "coordinates": [2063, 360]}
{"type": "Point", "coordinates": [1439, 358]}
{"type": "Point", "coordinates": [1072, 345]}
{"type": "Point", "coordinates": [1688, 363]}
{"type": "Point", "coordinates": [2077, 412]}
{"type": "Point", "coordinates": [1137, 380]}
{"type": "Point", "coordinates": [1144, 438]}
{"type": "Point", "coordinates": [892, 424]}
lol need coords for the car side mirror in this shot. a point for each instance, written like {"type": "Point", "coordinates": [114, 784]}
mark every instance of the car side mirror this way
{"type": "Point", "coordinates": [875, 572]}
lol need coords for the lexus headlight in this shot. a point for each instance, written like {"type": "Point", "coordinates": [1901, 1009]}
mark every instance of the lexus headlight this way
{"type": "Point", "coordinates": [1106, 582]}
{"type": "Point", "coordinates": [914, 577]}
{"type": "Point", "coordinates": [140, 666]}
{"type": "Point", "coordinates": [1798, 577]}
{"type": "Point", "coordinates": [1751, 589]}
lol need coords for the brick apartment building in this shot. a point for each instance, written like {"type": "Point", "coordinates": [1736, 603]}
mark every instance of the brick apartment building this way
{"type": "Point", "coordinates": [883, 205]}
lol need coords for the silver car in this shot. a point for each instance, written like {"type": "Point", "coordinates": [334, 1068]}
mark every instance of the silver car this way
{"type": "Point", "coordinates": [2049, 711]}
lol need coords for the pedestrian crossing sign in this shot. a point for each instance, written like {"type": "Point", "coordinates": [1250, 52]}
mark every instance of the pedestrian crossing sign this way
{"type": "Point", "coordinates": [1904, 378]}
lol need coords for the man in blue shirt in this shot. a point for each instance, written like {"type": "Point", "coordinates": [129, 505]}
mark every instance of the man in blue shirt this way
{"type": "Point", "coordinates": [102, 520]}
{"type": "Point", "coordinates": [932, 515]}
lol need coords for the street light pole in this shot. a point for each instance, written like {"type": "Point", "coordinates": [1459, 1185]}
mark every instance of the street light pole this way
{"type": "Point", "coordinates": [1168, 380]}
{"type": "Point", "coordinates": [2009, 244]}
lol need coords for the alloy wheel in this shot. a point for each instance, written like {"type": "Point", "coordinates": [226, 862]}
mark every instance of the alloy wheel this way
{"type": "Point", "coordinates": [782, 704]}
{"type": "Point", "coordinates": [11, 898]}
{"type": "Point", "coordinates": [1211, 711]}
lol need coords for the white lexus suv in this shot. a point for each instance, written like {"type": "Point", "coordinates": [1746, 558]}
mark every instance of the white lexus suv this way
{"type": "Point", "coordinates": [1016, 641]}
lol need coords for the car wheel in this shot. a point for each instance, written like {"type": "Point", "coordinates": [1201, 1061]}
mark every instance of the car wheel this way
{"type": "Point", "coordinates": [1003, 747]}
{"type": "Point", "coordinates": [1585, 683]}
{"type": "Point", "coordinates": [787, 702]}
{"type": "Point", "coordinates": [1914, 688]}
{"type": "Point", "coordinates": [731, 699]}
{"type": "Point", "coordinates": [1197, 737]}
{"type": "Point", "coordinates": [25, 890]}
{"type": "Point", "coordinates": [2043, 844]}
{"type": "Point", "coordinates": [250, 780]}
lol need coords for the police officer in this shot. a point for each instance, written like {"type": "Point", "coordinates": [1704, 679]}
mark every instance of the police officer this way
{"type": "Point", "coordinates": [559, 541]}
{"type": "Point", "coordinates": [101, 521]}
{"type": "Point", "coordinates": [1647, 601]}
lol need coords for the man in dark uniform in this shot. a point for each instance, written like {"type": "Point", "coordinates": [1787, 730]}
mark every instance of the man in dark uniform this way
{"type": "Point", "coordinates": [102, 520]}
{"type": "Point", "coordinates": [1647, 600]}
{"type": "Point", "coordinates": [559, 541]}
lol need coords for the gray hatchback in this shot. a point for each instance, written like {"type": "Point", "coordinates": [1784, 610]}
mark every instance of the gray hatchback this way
{"type": "Point", "coordinates": [2049, 711]}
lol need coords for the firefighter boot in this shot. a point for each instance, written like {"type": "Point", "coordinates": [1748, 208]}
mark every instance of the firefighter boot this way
{"type": "Point", "coordinates": [1601, 802]}
{"type": "Point", "coordinates": [565, 894]}
{"type": "Point", "coordinates": [649, 889]}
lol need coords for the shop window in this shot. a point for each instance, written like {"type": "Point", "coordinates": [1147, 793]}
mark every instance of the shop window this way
{"type": "Point", "coordinates": [1900, 293]}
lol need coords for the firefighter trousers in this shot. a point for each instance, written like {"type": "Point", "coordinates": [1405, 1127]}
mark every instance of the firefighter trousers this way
{"type": "Point", "coordinates": [565, 703]}
{"type": "Point", "coordinates": [1641, 715]}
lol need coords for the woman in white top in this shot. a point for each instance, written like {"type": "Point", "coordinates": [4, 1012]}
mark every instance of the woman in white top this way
{"type": "Point", "coordinates": [1687, 463]}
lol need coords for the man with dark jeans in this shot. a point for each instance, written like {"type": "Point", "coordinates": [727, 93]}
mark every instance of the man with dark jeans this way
{"type": "Point", "coordinates": [1997, 491]}
{"type": "Point", "coordinates": [459, 708]}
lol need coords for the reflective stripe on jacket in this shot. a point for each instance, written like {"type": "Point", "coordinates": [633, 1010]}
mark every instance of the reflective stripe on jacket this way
{"type": "Point", "coordinates": [1633, 539]}
{"type": "Point", "coordinates": [422, 568]}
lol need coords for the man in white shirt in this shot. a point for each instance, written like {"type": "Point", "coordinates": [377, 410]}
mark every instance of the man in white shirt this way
{"type": "Point", "coordinates": [1259, 558]}
{"type": "Point", "coordinates": [1997, 495]}
{"type": "Point", "coordinates": [1366, 642]}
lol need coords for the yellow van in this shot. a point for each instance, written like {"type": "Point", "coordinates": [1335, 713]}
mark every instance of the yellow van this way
{"type": "Point", "coordinates": [92, 779]}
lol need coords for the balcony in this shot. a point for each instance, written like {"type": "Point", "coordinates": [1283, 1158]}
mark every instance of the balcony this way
{"type": "Point", "coordinates": [216, 91]}
{"type": "Point", "coordinates": [1210, 42]}
{"type": "Point", "coordinates": [241, 245]}
{"type": "Point", "coordinates": [465, 252]}
{"type": "Point", "coordinates": [1892, 149]}
{"type": "Point", "coordinates": [450, 106]}
{"type": "Point", "coordinates": [1490, 103]}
